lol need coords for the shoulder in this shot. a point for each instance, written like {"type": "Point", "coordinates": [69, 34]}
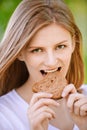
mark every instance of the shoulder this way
{"type": "Point", "coordinates": [6, 104]}
{"type": "Point", "coordinates": [84, 89]}
{"type": "Point", "coordinates": [5, 111]}
{"type": "Point", "coordinates": [5, 99]}
{"type": "Point", "coordinates": [10, 107]}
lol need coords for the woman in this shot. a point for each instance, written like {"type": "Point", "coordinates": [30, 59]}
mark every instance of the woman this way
{"type": "Point", "coordinates": [41, 36]}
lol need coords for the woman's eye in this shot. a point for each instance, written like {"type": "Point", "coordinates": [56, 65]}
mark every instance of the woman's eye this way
{"type": "Point", "coordinates": [61, 46]}
{"type": "Point", "coordinates": [36, 50]}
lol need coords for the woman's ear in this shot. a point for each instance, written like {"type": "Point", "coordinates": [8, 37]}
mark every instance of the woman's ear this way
{"type": "Point", "coordinates": [20, 57]}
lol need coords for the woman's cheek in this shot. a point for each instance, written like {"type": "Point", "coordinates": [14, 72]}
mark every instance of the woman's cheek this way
{"type": "Point", "coordinates": [34, 60]}
{"type": "Point", "coordinates": [66, 62]}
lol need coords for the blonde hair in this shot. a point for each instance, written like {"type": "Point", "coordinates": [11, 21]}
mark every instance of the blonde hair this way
{"type": "Point", "coordinates": [27, 19]}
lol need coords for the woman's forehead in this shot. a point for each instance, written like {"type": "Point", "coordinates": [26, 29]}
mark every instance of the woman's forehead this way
{"type": "Point", "coordinates": [51, 33]}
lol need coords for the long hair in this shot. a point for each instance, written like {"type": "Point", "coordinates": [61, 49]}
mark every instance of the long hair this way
{"type": "Point", "coordinates": [27, 19]}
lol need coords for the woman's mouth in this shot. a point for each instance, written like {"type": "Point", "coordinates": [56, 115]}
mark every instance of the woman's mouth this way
{"type": "Point", "coordinates": [45, 72]}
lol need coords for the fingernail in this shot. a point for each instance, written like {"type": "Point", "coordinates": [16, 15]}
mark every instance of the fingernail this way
{"type": "Point", "coordinates": [63, 94]}
{"type": "Point", "coordinates": [58, 104]}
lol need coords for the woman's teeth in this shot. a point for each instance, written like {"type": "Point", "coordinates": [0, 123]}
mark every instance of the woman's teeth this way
{"type": "Point", "coordinates": [44, 72]}
{"type": "Point", "coordinates": [50, 71]}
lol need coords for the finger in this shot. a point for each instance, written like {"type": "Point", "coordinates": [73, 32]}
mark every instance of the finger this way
{"type": "Point", "coordinates": [36, 120]}
{"type": "Point", "coordinates": [78, 104]}
{"type": "Point", "coordinates": [45, 109]}
{"type": "Point", "coordinates": [44, 102]}
{"type": "Point", "coordinates": [71, 102]}
{"type": "Point", "coordinates": [38, 96]}
{"type": "Point", "coordinates": [83, 110]}
{"type": "Point", "coordinates": [68, 90]}
{"type": "Point", "coordinates": [34, 114]}
{"type": "Point", "coordinates": [43, 116]}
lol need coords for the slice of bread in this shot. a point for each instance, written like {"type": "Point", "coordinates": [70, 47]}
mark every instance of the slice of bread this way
{"type": "Point", "coordinates": [52, 83]}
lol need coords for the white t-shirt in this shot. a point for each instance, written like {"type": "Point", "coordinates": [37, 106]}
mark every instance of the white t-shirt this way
{"type": "Point", "coordinates": [13, 112]}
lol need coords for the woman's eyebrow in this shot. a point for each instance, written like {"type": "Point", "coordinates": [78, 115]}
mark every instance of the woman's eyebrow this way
{"type": "Point", "coordinates": [30, 47]}
{"type": "Point", "coordinates": [39, 46]}
{"type": "Point", "coordinates": [61, 42]}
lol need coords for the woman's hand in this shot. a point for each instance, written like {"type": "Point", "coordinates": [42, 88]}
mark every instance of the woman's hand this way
{"type": "Point", "coordinates": [77, 105]}
{"type": "Point", "coordinates": [39, 112]}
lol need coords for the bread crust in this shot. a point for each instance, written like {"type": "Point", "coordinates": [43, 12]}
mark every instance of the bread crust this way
{"type": "Point", "coordinates": [52, 83]}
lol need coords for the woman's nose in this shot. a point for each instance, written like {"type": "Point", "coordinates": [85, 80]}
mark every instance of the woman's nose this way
{"type": "Point", "coordinates": [51, 60]}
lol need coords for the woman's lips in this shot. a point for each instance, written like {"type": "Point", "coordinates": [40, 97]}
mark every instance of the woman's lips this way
{"type": "Point", "coordinates": [44, 72]}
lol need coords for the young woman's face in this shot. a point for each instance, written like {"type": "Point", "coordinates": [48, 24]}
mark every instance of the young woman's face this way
{"type": "Point", "coordinates": [50, 50]}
